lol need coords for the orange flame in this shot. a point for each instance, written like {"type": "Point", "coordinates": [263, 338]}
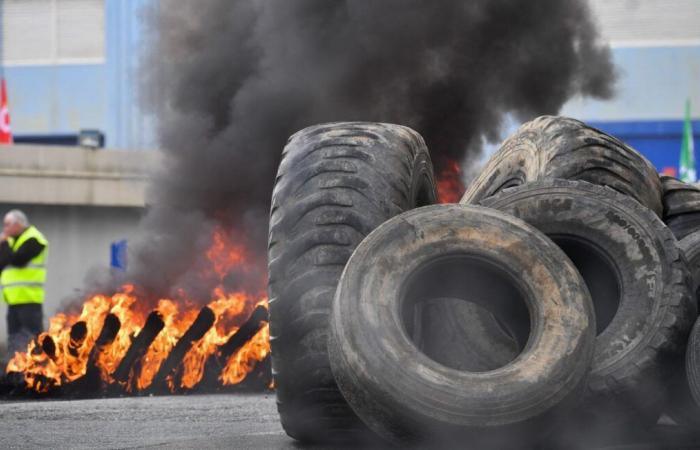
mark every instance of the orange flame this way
{"type": "Point", "coordinates": [449, 183]}
{"type": "Point", "coordinates": [224, 254]}
{"type": "Point", "coordinates": [231, 309]}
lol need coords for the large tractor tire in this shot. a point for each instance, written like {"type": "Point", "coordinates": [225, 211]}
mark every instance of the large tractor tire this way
{"type": "Point", "coordinates": [463, 335]}
{"type": "Point", "coordinates": [638, 280]}
{"type": "Point", "coordinates": [480, 256]}
{"type": "Point", "coordinates": [692, 366]}
{"type": "Point", "coordinates": [336, 183]}
{"type": "Point", "coordinates": [552, 147]}
{"type": "Point", "coordinates": [681, 405]}
{"type": "Point", "coordinates": [690, 245]}
{"type": "Point", "coordinates": [681, 203]}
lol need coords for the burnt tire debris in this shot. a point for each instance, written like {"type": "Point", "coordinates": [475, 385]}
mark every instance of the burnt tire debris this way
{"type": "Point", "coordinates": [336, 183]}
{"type": "Point", "coordinates": [553, 308]}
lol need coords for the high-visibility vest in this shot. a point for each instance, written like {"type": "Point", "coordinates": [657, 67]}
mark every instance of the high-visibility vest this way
{"type": "Point", "coordinates": [22, 285]}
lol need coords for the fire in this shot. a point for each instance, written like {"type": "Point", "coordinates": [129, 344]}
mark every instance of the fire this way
{"type": "Point", "coordinates": [67, 351]}
{"type": "Point", "coordinates": [223, 254]}
{"type": "Point", "coordinates": [449, 183]}
{"type": "Point", "coordinates": [244, 361]}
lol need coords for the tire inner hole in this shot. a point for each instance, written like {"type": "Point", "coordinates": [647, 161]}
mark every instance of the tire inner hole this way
{"type": "Point", "coordinates": [465, 312]}
{"type": "Point", "coordinates": [600, 276]}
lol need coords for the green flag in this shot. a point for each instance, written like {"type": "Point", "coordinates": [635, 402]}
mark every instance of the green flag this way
{"type": "Point", "coordinates": [687, 165]}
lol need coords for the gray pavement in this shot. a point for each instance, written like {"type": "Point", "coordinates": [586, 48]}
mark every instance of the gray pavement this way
{"type": "Point", "coordinates": [237, 421]}
{"type": "Point", "coordinates": [196, 421]}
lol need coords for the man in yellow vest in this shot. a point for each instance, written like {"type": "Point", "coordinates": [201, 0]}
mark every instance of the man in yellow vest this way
{"type": "Point", "coordinates": [23, 251]}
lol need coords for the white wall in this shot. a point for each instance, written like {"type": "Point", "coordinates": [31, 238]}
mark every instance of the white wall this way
{"type": "Point", "coordinates": [656, 50]}
{"type": "Point", "coordinates": [648, 23]}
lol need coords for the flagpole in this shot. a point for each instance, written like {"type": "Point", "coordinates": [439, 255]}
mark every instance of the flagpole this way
{"type": "Point", "coordinates": [5, 130]}
{"type": "Point", "coordinates": [687, 160]}
{"type": "Point", "coordinates": [2, 40]}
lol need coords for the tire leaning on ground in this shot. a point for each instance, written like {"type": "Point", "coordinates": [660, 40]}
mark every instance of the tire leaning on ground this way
{"type": "Point", "coordinates": [478, 255]}
{"type": "Point", "coordinates": [681, 406]}
{"type": "Point", "coordinates": [638, 279]}
{"type": "Point", "coordinates": [681, 203]}
{"type": "Point", "coordinates": [336, 183]}
{"type": "Point", "coordinates": [551, 147]}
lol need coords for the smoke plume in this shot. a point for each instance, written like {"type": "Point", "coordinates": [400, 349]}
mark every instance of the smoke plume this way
{"type": "Point", "coordinates": [230, 81]}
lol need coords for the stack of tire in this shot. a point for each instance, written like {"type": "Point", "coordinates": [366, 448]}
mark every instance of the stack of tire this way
{"type": "Point", "coordinates": [552, 308]}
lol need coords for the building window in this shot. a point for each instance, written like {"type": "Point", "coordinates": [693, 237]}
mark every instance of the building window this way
{"type": "Point", "coordinates": [38, 32]}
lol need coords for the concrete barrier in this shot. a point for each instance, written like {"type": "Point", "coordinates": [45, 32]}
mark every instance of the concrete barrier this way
{"type": "Point", "coordinates": [53, 175]}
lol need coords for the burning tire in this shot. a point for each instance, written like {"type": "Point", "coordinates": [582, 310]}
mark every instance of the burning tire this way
{"type": "Point", "coordinates": [336, 183]}
{"type": "Point", "coordinates": [478, 255]}
{"type": "Point", "coordinates": [637, 278]}
{"type": "Point", "coordinates": [681, 206]}
{"type": "Point", "coordinates": [559, 147]}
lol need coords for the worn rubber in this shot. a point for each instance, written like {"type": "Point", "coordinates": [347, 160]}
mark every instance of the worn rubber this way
{"type": "Point", "coordinates": [681, 406]}
{"type": "Point", "coordinates": [635, 351]}
{"type": "Point", "coordinates": [681, 206]}
{"type": "Point", "coordinates": [482, 256]}
{"type": "Point", "coordinates": [690, 246]}
{"type": "Point", "coordinates": [464, 335]}
{"type": "Point", "coordinates": [551, 147]}
{"type": "Point", "coordinates": [692, 364]}
{"type": "Point", "coordinates": [683, 225]}
{"type": "Point", "coordinates": [679, 197]}
{"type": "Point", "coordinates": [336, 183]}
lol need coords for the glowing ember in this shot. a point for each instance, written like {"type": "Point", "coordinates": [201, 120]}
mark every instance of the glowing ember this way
{"type": "Point", "coordinates": [54, 359]}
{"type": "Point", "coordinates": [449, 183]}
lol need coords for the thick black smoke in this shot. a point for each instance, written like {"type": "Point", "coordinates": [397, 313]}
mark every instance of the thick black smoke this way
{"type": "Point", "coordinates": [229, 81]}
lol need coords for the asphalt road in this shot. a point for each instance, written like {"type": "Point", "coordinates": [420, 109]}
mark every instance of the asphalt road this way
{"type": "Point", "coordinates": [238, 421]}
{"type": "Point", "coordinates": [182, 422]}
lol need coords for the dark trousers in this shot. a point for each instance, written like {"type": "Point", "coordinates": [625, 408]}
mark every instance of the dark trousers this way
{"type": "Point", "coordinates": [24, 322]}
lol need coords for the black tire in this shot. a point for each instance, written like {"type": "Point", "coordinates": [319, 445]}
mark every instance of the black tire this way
{"type": "Point", "coordinates": [681, 206]}
{"type": "Point", "coordinates": [638, 281]}
{"type": "Point", "coordinates": [681, 406]}
{"type": "Point", "coordinates": [336, 183]}
{"type": "Point", "coordinates": [692, 363]}
{"type": "Point", "coordinates": [683, 225]}
{"type": "Point", "coordinates": [679, 197]}
{"type": "Point", "coordinates": [472, 253]}
{"type": "Point", "coordinates": [463, 335]}
{"type": "Point", "coordinates": [551, 147]}
{"type": "Point", "coordinates": [690, 246]}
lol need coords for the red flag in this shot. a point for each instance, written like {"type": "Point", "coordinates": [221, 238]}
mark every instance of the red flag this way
{"type": "Point", "coordinates": [5, 130]}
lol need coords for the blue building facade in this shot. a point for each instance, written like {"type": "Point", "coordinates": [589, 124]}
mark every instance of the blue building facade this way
{"type": "Point", "coordinates": [658, 140]}
{"type": "Point", "coordinates": [65, 97]}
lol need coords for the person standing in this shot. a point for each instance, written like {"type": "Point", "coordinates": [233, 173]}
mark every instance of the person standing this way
{"type": "Point", "coordinates": [23, 252]}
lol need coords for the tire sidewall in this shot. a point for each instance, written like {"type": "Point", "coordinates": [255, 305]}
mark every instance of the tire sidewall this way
{"type": "Point", "coordinates": [404, 395]}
